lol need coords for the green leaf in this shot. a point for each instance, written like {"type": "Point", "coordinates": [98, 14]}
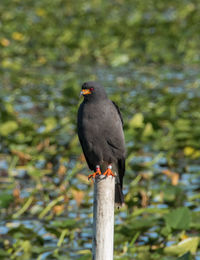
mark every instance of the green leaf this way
{"type": "Point", "coordinates": [68, 223]}
{"type": "Point", "coordinates": [186, 256]}
{"type": "Point", "coordinates": [5, 199]}
{"type": "Point", "coordinates": [182, 125]}
{"type": "Point", "coordinates": [148, 130]}
{"type": "Point", "coordinates": [137, 121]}
{"type": "Point", "coordinates": [179, 218]}
{"type": "Point", "coordinates": [120, 60]}
{"type": "Point", "coordinates": [50, 123]}
{"type": "Point", "coordinates": [188, 245]}
{"type": "Point", "coordinates": [166, 231]}
{"type": "Point", "coordinates": [3, 253]}
{"type": "Point", "coordinates": [8, 128]}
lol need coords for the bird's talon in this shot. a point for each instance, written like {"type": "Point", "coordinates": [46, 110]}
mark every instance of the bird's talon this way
{"type": "Point", "coordinates": [93, 176]}
{"type": "Point", "coordinates": [109, 172]}
{"type": "Point", "coordinates": [90, 176]}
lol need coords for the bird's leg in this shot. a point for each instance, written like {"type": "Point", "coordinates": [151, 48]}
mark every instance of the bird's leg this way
{"type": "Point", "coordinates": [98, 172]}
{"type": "Point", "coordinates": [109, 172]}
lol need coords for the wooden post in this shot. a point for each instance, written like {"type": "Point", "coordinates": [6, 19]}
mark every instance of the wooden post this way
{"type": "Point", "coordinates": [103, 218]}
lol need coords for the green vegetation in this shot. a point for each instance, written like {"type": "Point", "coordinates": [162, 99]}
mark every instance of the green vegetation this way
{"type": "Point", "coordinates": [146, 54]}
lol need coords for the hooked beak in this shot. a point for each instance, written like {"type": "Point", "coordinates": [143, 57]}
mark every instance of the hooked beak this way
{"type": "Point", "coordinates": [85, 92]}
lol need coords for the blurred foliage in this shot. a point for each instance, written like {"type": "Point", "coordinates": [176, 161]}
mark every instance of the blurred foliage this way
{"type": "Point", "coordinates": [146, 54]}
{"type": "Point", "coordinates": [62, 32]}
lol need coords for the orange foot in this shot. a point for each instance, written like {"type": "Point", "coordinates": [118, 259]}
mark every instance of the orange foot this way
{"type": "Point", "coordinates": [109, 172]}
{"type": "Point", "coordinates": [98, 172]}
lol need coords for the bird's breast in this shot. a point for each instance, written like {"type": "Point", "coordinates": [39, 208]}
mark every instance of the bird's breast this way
{"type": "Point", "coordinates": [91, 123]}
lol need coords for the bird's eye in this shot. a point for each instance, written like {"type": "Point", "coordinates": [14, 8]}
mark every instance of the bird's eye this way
{"type": "Point", "coordinates": [91, 89]}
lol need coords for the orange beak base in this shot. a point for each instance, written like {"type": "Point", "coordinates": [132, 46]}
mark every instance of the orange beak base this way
{"type": "Point", "coordinates": [85, 92]}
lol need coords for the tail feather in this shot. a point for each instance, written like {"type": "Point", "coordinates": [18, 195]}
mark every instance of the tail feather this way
{"type": "Point", "coordinates": [119, 197]}
{"type": "Point", "coordinates": [121, 170]}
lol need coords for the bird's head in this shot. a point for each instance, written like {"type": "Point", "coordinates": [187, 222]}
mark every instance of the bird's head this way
{"type": "Point", "coordinates": [92, 90]}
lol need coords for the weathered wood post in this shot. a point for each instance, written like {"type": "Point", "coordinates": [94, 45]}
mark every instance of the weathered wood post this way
{"type": "Point", "coordinates": [103, 218]}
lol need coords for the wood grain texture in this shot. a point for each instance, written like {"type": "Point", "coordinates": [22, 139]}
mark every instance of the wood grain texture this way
{"type": "Point", "coordinates": [103, 218]}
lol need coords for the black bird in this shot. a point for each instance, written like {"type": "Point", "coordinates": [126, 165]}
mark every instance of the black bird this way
{"type": "Point", "coordinates": [100, 131]}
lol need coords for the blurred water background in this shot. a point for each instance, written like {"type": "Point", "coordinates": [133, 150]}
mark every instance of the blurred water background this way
{"type": "Point", "coordinates": [146, 54]}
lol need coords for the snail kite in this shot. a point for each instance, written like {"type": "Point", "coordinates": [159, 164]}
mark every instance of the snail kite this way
{"type": "Point", "coordinates": [100, 131]}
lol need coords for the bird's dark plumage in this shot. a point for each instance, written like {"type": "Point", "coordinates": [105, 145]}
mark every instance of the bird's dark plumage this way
{"type": "Point", "coordinates": [100, 131]}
